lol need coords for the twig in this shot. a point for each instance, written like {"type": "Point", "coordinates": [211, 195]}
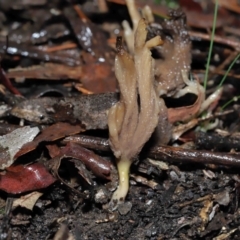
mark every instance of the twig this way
{"type": "Point", "coordinates": [217, 39]}
{"type": "Point", "coordinates": [7, 83]}
{"type": "Point", "coordinates": [166, 153]}
{"type": "Point", "coordinates": [220, 72]}
{"type": "Point", "coordinates": [80, 13]}
{"type": "Point", "coordinates": [64, 46]}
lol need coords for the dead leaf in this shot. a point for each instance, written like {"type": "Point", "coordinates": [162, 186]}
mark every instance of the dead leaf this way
{"type": "Point", "coordinates": [28, 201]}
{"type": "Point", "coordinates": [54, 164]}
{"type": "Point", "coordinates": [232, 5]}
{"type": "Point", "coordinates": [223, 198]}
{"type": "Point", "coordinates": [18, 179]}
{"type": "Point", "coordinates": [225, 236]}
{"type": "Point", "coordinates": [203, 11]}
{"type": "Point", "coordinates": [182, 128]}
{"type": "Point", "coordinates": [63, 233]}
{"type": "Point", "coordinates": [53, 150]}
{"type": "Point", "coordinates": [99, 77]}
{"type": "Point", "coordinates": [86, 175]}
{"type": "Point", "coordinates": [204, 213]}
{"type": "Point", "coordinates": [12, 142]}
{"type": "Point", "coordinates": [185, 113]}
{"type": "Point", "coordinates": [49, 134]}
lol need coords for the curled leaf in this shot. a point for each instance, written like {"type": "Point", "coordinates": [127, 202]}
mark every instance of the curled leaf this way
{"type": "Point", "coordinates": [98, 165]}
{"type": "Point", "coordinates": [19, 178]}
{"type": "Point", "coordinates": [186, 113]}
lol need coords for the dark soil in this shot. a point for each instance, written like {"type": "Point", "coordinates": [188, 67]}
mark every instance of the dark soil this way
{"type": "Point", "coordinates": [176, 209]}
{"type": "Point", "coordinates": [167, 200]}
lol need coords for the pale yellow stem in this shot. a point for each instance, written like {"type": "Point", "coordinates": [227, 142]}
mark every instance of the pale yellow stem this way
{"type": "Point", "coordinates": [123, 166]}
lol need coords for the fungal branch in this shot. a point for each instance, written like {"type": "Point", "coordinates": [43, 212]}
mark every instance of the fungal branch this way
{"type": "Point", "coordinates": [131, 123]}
{"type": "Point", "coordinates": [128, 32]}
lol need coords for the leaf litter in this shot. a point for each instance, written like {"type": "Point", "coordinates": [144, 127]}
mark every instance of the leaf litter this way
{"type": "Point", "coordinates": [194, 196]}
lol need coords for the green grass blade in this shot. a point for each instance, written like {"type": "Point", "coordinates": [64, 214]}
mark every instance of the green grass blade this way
{"type": "Point", "coordinates": [234, 99]}
{"type": "Point", "coordinates": [229, 69]}
{"type": "Point", "coordinates": [211, 45]}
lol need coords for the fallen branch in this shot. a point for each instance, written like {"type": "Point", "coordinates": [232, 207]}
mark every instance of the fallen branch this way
{"type": "Point", "coordinates": [166, 153]}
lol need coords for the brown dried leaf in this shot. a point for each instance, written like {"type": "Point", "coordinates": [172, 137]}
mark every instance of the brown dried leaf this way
{"type": "Point", "coordinates": [49, 134]}
{"type": "Point", "coordinates": [99, 77]}
{"type": "Point", "coordinates": [63, 233]}
{"type": "Point", "coordinates": [185, 113]}
{"type": "Point", "coordinates": [86, 175]}
{"type": "Point", "coordinates": [182, 128]}
{"type": "Point", "coordinates": [53, 150]}
{"type": "Point", "coordinates": [12, 142]}
{"type": "Point", "coordinates": [232, 5]}
{"type": "Point", "coordinates": [28, 201]}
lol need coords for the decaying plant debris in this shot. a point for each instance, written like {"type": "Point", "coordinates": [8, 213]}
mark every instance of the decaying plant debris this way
{"type": "Point", "coordinates": [176, 150]}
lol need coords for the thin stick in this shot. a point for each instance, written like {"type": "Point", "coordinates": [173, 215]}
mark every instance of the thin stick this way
{"type": "Point", "coordinates": [166, 153]}
{"type": "Point", "coordinates": [217, 39]}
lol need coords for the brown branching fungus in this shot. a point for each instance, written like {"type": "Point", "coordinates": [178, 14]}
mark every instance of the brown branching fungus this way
{"type": "Point", "coordinates": [131, 123]}
{"type": "Point", "coordinates": [173, 66]}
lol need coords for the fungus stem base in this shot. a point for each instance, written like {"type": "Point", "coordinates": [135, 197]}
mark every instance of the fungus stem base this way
{"type": "Point", "coordinates": [120, 194]}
